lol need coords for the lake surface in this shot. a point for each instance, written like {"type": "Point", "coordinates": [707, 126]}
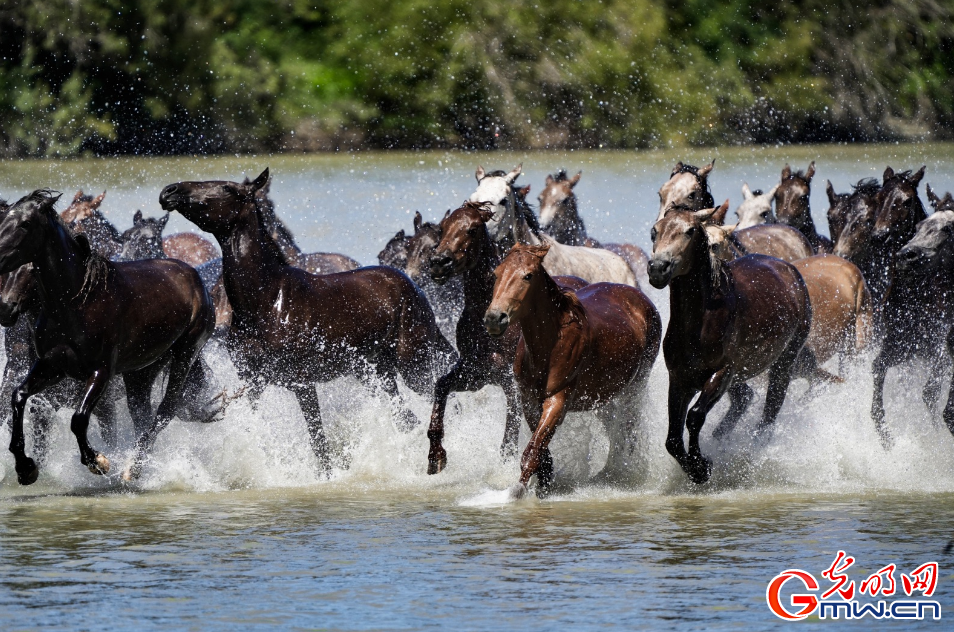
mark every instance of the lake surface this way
{"type": "Point", "coordinates": [232, 526]}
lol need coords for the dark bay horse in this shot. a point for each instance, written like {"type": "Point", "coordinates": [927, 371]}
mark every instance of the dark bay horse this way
{"type": "Point", "coordinates": [144, 239]}
{"type": "Point", "coordinates": [792, 206]}
{"type": "Point", "coordinates": [467, 251]}
{"type": "Point", "coordinates": [100, 319]}
{"type": "Point", "coordinates": [728, 323]}
{"type": "Point", "coordinates": [394, 253]}
{"type": "Point", "coordinates": [687, 187]}
{"type": "Point", "coordinates": [293, 328]}
{"type": "Point", "coordinates": [560, 218]}
{"type": "Point", "coordinates": [577, 351]}
{"type": "Point", "coordinates": [446, 298]}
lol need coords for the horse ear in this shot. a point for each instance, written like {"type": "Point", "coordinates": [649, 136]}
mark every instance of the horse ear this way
{"type": "Point", "coordinates": [480, 173]}
{"type": "Point", "coordinates": [549, 180]}
{"type": "Point", "coordinates": [830, 190]}
{"type": "Point", "coordinates": [810, 172]}
{"type": "Point", "coordinates": [932, 196]}
{"type": "Point", "coordinates": [447, 213]}
{"type": "Point", "coordinates": [676, 169]}
{"type": "Point", "coordinates": [773, 191]}
{"type": "Point", "coordinates": [85, 248]}
{"type": "Point", "coordinates": [786, 172]}
{"type": "Point", "coordinates": [260, 181]}
{"type": "Point", "coordinates": [709, 214]}
{"type": "Point", "coordinates": [728, 230]}
{"type": "Point", "coordinates": [418, 221]}
{"type": "Point", "coordinates": [163, 221]}
{"type": "Point", "coordinates": [888, 174]}
{"type": "Point", "coordinates": [918, 175]}
{"type": "Point", "coordinates": [746, 191]}
{"type": "Point", "coordinates": [98, 200]}
{"type": "Point", "coordinates": [524, 191]}
{"type": "Point", "coordinates": [76, 198]}
{"type": "Point", "coordinates": [575, 179]}
{"type": "Point", "coordinates": [718, 217]}
{"type": "Point", "coordinates": [137, 218]}
{"type": "Point", "coordinates": [400, 234]}
{"type": "Point", "coordinates": [538, 251]}
{"type": "Point", "coordinates": [513, 175]}
{"type": "Point", "coordinates": [485, 214]}
{"type": "Point", "coordinates": [704, 171]}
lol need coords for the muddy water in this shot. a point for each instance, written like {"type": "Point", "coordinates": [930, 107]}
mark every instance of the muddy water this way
{"type": "Point", "coordinates": [232, 525]}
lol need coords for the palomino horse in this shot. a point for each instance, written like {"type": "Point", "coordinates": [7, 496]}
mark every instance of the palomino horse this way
{"type": "Point", "coordinates": [466, 250]}
{"type": "Point", "coordinates": [101, 319]}
{"type": "Point", "coordinates": [560, 218]}
{"type": "Point", "coordinates": [918, 313]}
{"type": "Point", "coordinates": [518, 224]}
{"type": "Point", "coordinates": [792, 206]}
{"type": "Point", "coordinates": [577, 351]}
{"type": "Point", "coordinates": [756, 207]}
{"type": "Point", "coordinates": [687, 187]}
{"type": "Point", "coordinates": [728, 323]}
{"type": "Point", "coordinates": [293, 328]}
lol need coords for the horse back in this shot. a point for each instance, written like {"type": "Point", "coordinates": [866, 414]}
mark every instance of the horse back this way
{"type": "Point", "coordinates": [592, 264]}
{"type": "Point", "coordinates": [775, 240]}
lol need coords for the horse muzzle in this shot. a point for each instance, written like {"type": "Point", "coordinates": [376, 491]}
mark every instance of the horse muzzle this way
{"type": "Point", "coordinates": [496, 322]}
{"type": "Point", "coordinates": [660, 272]}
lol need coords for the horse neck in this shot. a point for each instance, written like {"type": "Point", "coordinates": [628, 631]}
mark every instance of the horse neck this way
{"type": "Point", "coordinates": [59, 269]}
{"type": "Point", "coordinates": [543, 320]}
{"type": "Point", "coordinates": [570, 225]}
{"type": "Point", "coordinates": [479, 280]}
{"type": "Point", "coordinates": [692, 293]}
{"type": "Point", "coordinates": [249, 262]}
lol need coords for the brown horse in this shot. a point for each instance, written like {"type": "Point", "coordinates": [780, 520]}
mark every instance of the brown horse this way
{"type": "Point", "coordinates": [792, 206]}
{"type": "Point", "coordinates": [84, 217]}
{"type": "Point", "coordinates": [728, 323]}
{"type": "Point", "coordinates": [293, 328]}
{"type": "Point", "coordinates": [577, 351]}
{"type": "Point", "coordinates": [774, 240]}
{"type": "Point", "coordinates": [467, 250]}
{"type": "Point", "coordinates": [101, 319]}
{"type": "Point", "coordinates": [190, 248]}
{"type": "Point", "coordinates": [687, 187]}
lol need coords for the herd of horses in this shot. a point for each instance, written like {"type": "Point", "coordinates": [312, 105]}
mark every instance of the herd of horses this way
{"type": "Point", "coordinates": [533, 304]}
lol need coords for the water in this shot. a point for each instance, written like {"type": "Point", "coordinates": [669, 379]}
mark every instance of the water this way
{"type": "Point", "coordinates": [233, 526]}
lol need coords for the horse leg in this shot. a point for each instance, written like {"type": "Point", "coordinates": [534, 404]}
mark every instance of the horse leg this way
{"type": "Point", "coordinates": [700, 468]}
{"type": "Point", "coordinates": [780, 376]}
{"type": "Point", "coordinates": [310, 408]}
{"type": "Point", "coordinates": [508, 447]}
{"type": "Point", "coordinates": [196, 405]}
{"type": "Point", "coordinates": [932, 389]}
{"type": "Point", "coordinates": [679, 399]}
{"type": "Point", "coordinates": [106, 414]}
{"type": "Point", "coordinates": [406, 419]}
{"type": "Point", "coordinates": [139, 395]}
{"type": "Point", "coordinates": [44, 373]}
{"type": "Point", "coordinates": [740, 397]}
{"type": "Point", "coordinates": [437, 456]}
{"type": "Point", "coordinates": [42, 413]}
{"type": "Point", "coordinates": [879, 369]}
{"type": "Point", "coordinates": [79, 424]}
{"type": "Point", "coordinates": [536, 457]}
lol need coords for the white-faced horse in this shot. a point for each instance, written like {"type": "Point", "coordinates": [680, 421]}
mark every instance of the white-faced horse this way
{"type": "Point", "coordinates": [756, 207]}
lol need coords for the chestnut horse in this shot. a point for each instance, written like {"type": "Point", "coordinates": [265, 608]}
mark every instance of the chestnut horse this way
{"type": "Point", "coordinates": [101, 319]}
{"type": "Point", "coordinates": [728, 323]}
{"type": "Point", "coordinates": [687, 187]}
{"type": "Point", "coordinates": [293, 328]}
{"type": "Point", "coordinates": [84, 217]}
{"type": "Point", "coordinates": [577, 351]}
{"type": "Point", "coordinates": [466, 250]}
{"type": "Point", "coordinates": [190, 248]}
{"type": "Point", "coordinates": [792, 206]}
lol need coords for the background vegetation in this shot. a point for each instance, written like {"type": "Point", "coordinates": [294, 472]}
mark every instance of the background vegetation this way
{"type": "Point", "coordinates": [189, 76]}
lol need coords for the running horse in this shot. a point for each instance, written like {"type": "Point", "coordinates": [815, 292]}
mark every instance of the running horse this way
{"type": "Point", "coordinates": [144, 239]}
{"type": "Point", "coordinates": [687, 187]}
{"type": "Point", "coordinates": [729, 322]}
{"type": "Point", "coordinates": [792, 206]}
{"type": "Point", "coordinates": [578, 350]}
{"type": "Point", "coordinates": [100, 319]}
{"type": "Point", "coordinates": [756, 207]}
{"type": "Point", "coordinates": [293, 328]}
{"type": "Point", "coordinates": [466, 250]}
{"type": "Point", "coordinates": [84, 217]}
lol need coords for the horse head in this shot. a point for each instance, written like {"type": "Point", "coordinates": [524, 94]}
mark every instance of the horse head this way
{"type": "Point", "coordinates": [679, 241]}
{"type": "Point", "coordinates": [932, 247]}
{"type": "Point", "coordinates": [394, 253]}
{"type": "Point", "coordinates": [144, 239]}
{"type": "Point", "coordinates": [899, 207]}
{"type": "Point", "coordinates": [792, 197]}
{"type": "Point", "coordinates": [18, 294]}
{"type": "Point", "coordinates": [518, 274]}
{"type": "Point", "coordinates": [857, 217]}
{"type": "Point", "coordinates": [24, 229]}
{"type": "Point", "coordinates": [214, 206]}
{"type": "Point", "coordinates": [420, 248]}
{"type": "Point", "coordinates": [756, 207]}
{"type": "Point", "coordinates": [464, 238]}
{"type": "Point", "coordinates": [496, 189]}
{"type": "Point", "coordinates": [82, 207]}
{"type": "Point", "coordinates": [688, 187]}
{"type": "Point", "coordinates": [557, 200]}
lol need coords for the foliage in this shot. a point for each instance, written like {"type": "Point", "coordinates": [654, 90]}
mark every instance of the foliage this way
{"type": "Point", "coordinates": [178, 76]}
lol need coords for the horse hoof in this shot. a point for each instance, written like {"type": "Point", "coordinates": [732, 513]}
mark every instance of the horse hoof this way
{"type": "Point", "coordinates": [518, 491]}
{"type": "Point", "coordinates": [131, 473]}
{"type": "Point", "coordinates": [700, 475]}
{"type": "Point", "coordinates": [436, 464]}
{"type": "Point", "coordinates": [100, 465]}
{"type": "Point", "coordinates": [28, 474]}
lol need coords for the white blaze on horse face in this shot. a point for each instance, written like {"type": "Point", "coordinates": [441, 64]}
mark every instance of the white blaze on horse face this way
{"type": "Point", "coordinates": [498, 194]}
{"type": "Point", "coordinates": [677, 190]}
{"type": "Point", "coordinates": [755, 209]}
{"type": "Point", "coordinates": [550, 201]}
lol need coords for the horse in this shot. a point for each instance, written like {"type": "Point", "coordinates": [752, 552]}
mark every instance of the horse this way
{"type": "Point", "coordinates": [838, 210]}
{"type": "Point", "coordinates": [578, 350]}
{"type": "Point", "coordinates": [918, 313]}
{"type": "Point", "coordinates": [560, 218]}
{"type": "Point", "coordinates": [84, 217]}
{"type": "Point", "coordinates": [466, 250]}
{"type": "Point", "coordinates": [144, 239]}
{"type": "Point", "coordinates": [792, 206]}
{"type": "Point", "coordinates": [189, 248]}
{"type": "Point", "coordinates": [394, 253]}
{"type": "Point", "coordinates": [293, 328]}
{"type": "Point", "coordinates": [101, 319]}
{"type": "Point", "coordinates": [513, 223]}
{"type": "Point", "coordinates": [687, 187]}
{"type": "Point", "coordinates": [945, 203]}
{"type": "Point", "coordinates": [756, 207]}
{"type": "Point", "coordinates": [728, 323]}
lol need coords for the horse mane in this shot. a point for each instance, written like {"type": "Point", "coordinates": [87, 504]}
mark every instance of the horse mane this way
{"type": "Point", "coordinates": [572, 304]}
{"type": "Point", "coordinates": [867, 186]}
{"type": "Point", "coordinates": [474, 206]}
{"type": "Point", "coordinates": [496, 173]}
{"type": "Point", "coordinates": [267, 239]}
{"type": "Point", "coordinates": [800, 174]}
{"type": "Point", "coordinates": [561, 176]}
{"type": "Point", "coordinates": [98, 270]}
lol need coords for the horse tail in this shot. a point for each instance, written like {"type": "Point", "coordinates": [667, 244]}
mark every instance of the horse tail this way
{"type": "Point", "coordinates": [864, 316]}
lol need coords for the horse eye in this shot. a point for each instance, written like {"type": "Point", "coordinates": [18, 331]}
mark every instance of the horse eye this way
{"type": "Point", "coordinates": [652, 234]}
{"type": "Point", "coordinates": [471, 231]}
{"type": "Point", "coordinates": [502, 201]}
{"type": "Point", "coordinates": [692, 195]}
{"type": "Point", "coordinates": [528, 277]}
{"type": "Point", "coordinates": [765, 213]}
{"type": "Point", "coordinates": [691, 231]}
